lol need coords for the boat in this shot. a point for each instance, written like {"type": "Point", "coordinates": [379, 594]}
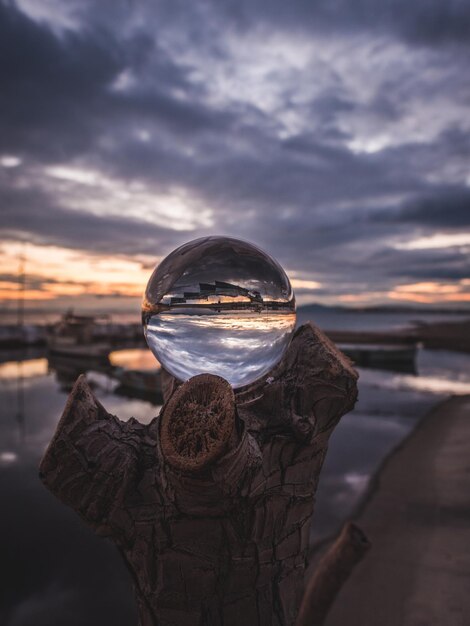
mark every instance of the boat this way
{"type": "Point", "coordinates": [396, 357]}
{"type": "Point", "coordinates": [15, 336]}
{"type": "Point", "coordinates": [143, 384]}
{"type": "Point", "coordinates": [73, 336]}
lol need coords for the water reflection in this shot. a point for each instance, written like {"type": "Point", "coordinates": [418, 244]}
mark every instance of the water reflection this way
{"type": "Point", "coordinates": [356, 448]}
{"type": "Point", "coordinates": [67, 369]}
{"type": "Point", "coordinates": [433, 377]}
{"type": "Point", "coordinates": [27, 368]}
{"type": "Point", "coordinates": [389, 407]}
{"type": "Point", "coordinates": [134, 358]}
{"type": "Point", "coordinates": [55, 571]}
{"type": "Point", "coordinates": [8, 457]}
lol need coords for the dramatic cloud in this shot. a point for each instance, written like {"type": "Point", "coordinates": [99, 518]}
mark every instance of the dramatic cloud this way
{"type": "Point", "coordinates": [447, 210]}
{"type": "Point", "coordinates": [334, 135]}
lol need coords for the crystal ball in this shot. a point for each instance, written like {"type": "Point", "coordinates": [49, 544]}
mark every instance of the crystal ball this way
{"type": "Point", "coordinates": [221, 306]}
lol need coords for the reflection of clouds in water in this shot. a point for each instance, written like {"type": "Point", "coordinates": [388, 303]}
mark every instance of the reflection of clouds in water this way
{"type": "Point", "coordinates": [55, 571]}
{"type": "Point", "coordinates": [357, 446]}
{"type": "Point", "coordinates": [60, 604]}
{"type": "Point", "coordinates": [126, 408]}
{"type": "Point", "coordinates": [35, 523]}
{"type": "Point", "coordinates": [41, 606]}
{"type": "Point", "coordinates": [8, 457]}
{"type": "Point", "coordinates": [134, 358]}
{"type": "Point", "coordinates": [26, 369]}
{"type": "Point", "coordinates": [44, 402]}
{"type": "Point", "coordinates": [249, 344]}
{"type": "Point", "coordinates": [434, 385]}
{"type": "Point", "coordinates": [444, 364]}
{"type": "Point", "coordinates": [429, 384]}
{"type": "Point", "coordinates": [239, 347]}
{"type": "Point", "coordinates": [241, 321]}
{"type": "Point", "coordinates": [349, 489]}
{"type": "Point", "coordinates": [356, 481]}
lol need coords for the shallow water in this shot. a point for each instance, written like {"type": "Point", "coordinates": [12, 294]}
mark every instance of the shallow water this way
{"type": "Point", "coordinates": [55, 571]}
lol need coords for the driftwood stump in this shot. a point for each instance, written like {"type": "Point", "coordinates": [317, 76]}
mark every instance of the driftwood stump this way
{"type": "Point", "coordinates": [331, 573]}
{"type": "Point", "coordinates": [210, 504]}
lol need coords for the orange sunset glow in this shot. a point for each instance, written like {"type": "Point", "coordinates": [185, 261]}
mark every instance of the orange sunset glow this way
{"type": "Point", "coordinates": [58, 276]}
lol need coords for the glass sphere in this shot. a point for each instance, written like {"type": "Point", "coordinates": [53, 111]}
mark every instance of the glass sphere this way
{"type": "Point", "coordinates": [221, 306]}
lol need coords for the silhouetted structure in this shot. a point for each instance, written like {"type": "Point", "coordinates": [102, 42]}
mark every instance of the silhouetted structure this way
{"type": "Point", "coordinates": [218, 289]}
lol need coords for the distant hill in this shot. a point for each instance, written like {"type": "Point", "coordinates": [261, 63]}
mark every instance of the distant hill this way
{"type": "Point", "coordinates": [386, 308]}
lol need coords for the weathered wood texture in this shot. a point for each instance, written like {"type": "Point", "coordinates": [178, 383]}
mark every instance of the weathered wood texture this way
{"type": "Point", "coordinates": [332, 572]}
{"type": "Point", "coordinates": [222, 540]}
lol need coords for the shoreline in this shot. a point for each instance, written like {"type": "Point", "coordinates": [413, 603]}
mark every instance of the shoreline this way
{"type": "Point", "coordinates": [454, 336]}
{"type": "Point", "coordinates": [318, 548]}
{"type": "Point", "coordinates": [417, 517]}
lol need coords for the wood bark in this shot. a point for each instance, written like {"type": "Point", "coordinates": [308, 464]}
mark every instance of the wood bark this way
{"type": "Point", "coordinates": [332, 571]}
{"type": "Point", "coordinates": [210, 504]}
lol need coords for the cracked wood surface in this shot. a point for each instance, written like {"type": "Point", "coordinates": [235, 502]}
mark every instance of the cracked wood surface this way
{"type": "Point", "coordinates": [331, 573]}
{"type": "Point", "coordinates": [222, 539]}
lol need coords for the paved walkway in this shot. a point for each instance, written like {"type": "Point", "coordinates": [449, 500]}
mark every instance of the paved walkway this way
{"type": "Point", "coordinates": [418, 520]}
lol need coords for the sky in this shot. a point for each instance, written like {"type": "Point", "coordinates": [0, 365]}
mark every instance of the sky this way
{"type": "Point", "coordinates": [333, 134]}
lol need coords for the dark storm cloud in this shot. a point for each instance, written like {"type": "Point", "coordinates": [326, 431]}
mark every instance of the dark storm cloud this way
{"type": "Point", "coordinates": [427, 22]}
{"type": "Point", "coordinates": [76, 229]}
{"type": "Point", "coordinates": [414, 265]}
{"type": "Point", "coordinates": [449, 209]}
{"type": "Point", "coordinates": [422, 21]}
{"type": "Point", "coordinates": [56, 91]}
{"type": "Point", "coordinates": [323, 161]}
{"type": "Point", "coordinates": [45, 82]}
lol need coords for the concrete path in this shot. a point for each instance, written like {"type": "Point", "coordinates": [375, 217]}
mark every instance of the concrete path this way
{"type": "Point", "coordinates": [418, 520]}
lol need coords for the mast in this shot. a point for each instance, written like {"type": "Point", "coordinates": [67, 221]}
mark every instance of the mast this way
{"type": "Point", "coordinates": [21, 293]}
{"type": "Point", "coordinates": [20, 414]}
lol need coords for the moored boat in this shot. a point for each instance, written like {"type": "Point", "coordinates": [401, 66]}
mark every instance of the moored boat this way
{"type": "Point", "coordinates": [143, 384]}
{"type": "Point", "coordinates": [382, 356]}
{"type": "Point", "coordinates": [73, 336]}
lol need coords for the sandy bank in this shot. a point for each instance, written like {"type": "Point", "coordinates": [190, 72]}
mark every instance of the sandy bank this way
{"type": "Point", "coordinates": [418, 520]}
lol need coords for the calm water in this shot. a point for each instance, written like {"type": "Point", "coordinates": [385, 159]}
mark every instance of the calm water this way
{"type": "Point", "coordinates": [326, 319]}
{"type": "Point", "coordinates": [56, 572]}
{"type": "Point", "coordinates": [349, 320]}
{"type": "Point", "coordinates": [389, 406]}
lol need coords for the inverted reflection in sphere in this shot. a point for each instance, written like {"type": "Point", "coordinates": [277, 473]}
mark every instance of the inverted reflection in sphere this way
{"type": "Point", "coordinates": [219, 305]}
